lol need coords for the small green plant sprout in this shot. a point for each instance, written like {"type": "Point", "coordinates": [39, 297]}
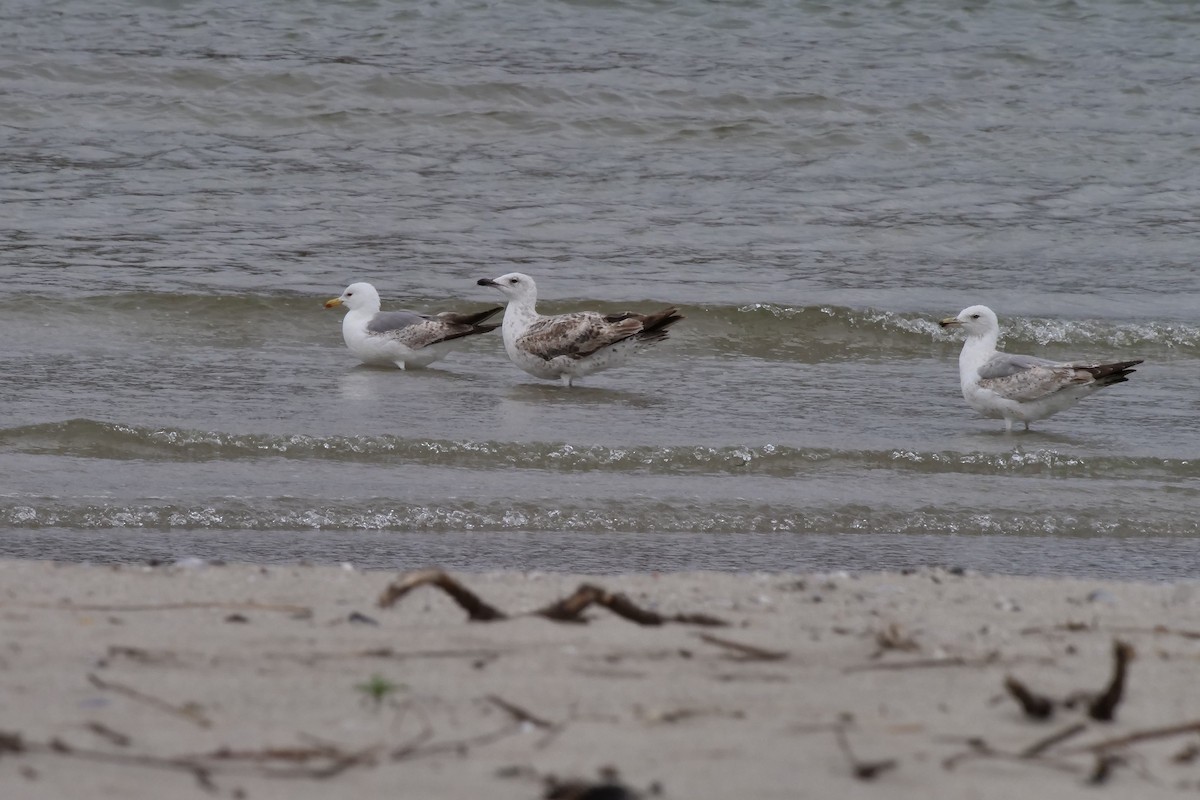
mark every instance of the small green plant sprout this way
{"type": "Point", "coordinates": [376, 689]}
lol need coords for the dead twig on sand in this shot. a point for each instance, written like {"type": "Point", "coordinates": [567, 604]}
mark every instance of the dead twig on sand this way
{"type": "Point", "coordinates": [1136, 737]}
{"type": "Point", "coordinates": [525, 717]}
{"type": "Point", "coordinates": [1104, 706]}
{"type": "Point", "coordinates": [1105, 752]}
{"type": "Point", "coordinates": [481, 656]}
{"type": "Point", "coordinates": [477, 610]}
{"type": "Point", "coordinates": [921, 663]}
{"type": "Point", "coordinates": [457, 746]}
{"type": "Point", "coordinates": [1084, 627]}
{"type": "Point", "coordinates": [1108, 754]}
{"type": "Point", "coordinates": [568, 609]}
{"type": "Point", "coordinates": [745, 652]}
{"type": "Point", "coordinates": [14, 744]}
{"type": "Point", "coordinates": [676, 715]}
{"type": "Point", "coordinates": [1188, 754]}
{"type": "Point", "coordinates": [1042, 745]}
{"type": "Point", "coordinates": [608, 787]}
{"type": "Point", "coordinates": [863, 770]}
{"type": "Point", "coordinates": [320, 761]}
{"type": "Point", "coordinates": [113, 737]}
{"type": "Point", "coordinates": [588, 790]}
{"type": "Point", "coordinates": [188, 711]}
{"type": "Point", "coordinates": [518, 713]}
{"type": "Point", "coordinates": [980, 749]}
{"type": "Point", "coordinates": [992, 659]}
{"type": "Point", "coordinates": [1101, 707]}
{"type": "Point", "coordinates": [1105, 764]}
{"type": "Point", "coordinates": [1034, 705]}
{"type": "Point", "coordinates": [141, 655]}
{"type": "Point", "coordinates": [571, 608]}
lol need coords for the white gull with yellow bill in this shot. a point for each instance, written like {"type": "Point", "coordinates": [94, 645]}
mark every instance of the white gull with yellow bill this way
{"type": "Point", "coordinates": [1022, 388]}
{"type": "Point", "coordinates": [404, 339]}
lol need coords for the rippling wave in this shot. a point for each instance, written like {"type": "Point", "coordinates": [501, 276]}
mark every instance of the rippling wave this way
{"type": "Point", "coordinates": [761, 330]}
{"type": "Point", "coordinates": [897, 330]}
{"type": "Point", "coordinates": [632, 516]}
{"type": "Point", "coordinates": [94, 439]}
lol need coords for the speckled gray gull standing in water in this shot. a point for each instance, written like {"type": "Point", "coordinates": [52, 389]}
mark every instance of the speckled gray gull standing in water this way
{"type": "Point", "coordinates": [569, 346]}
{"type": "Point", "coordinates": [1022, 388]}
{"type": "Point", "coordinates": [402, 338]}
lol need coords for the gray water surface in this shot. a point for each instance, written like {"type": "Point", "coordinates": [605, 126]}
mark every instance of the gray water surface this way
{"type": "Point", "coordinates": [183, 185]}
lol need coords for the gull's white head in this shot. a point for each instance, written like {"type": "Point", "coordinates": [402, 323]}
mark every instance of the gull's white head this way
{"type": "Point", "coordinates": [975, 320]}
{"type": "Point", "coordinates": [356, 296]}
{"type": "Point", "coordinates": [515, 285]}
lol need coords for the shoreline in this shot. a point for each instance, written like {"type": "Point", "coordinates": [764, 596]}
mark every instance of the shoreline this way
{"type": "Point", "coordinates": [568, 552]}
{"type": "Point", "coordinates": [291, 681]}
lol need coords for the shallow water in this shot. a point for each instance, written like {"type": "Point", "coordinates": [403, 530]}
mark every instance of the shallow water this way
{"type": "Point", "coordinates": [815, 185]}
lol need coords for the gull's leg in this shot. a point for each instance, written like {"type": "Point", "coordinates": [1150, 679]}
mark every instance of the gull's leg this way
{"type": "Point", "coordinates": [1008, 425]}
{"type": "Point", "coordinates": [566, 379]}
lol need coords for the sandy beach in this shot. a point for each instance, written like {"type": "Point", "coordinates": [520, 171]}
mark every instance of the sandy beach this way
{"type": "Point", "coordinates": [293, 682]}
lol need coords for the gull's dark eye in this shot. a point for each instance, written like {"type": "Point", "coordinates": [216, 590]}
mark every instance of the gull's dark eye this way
{"type": "Point", "coordinates": [349, 294]}
{"type": "Point", "coordinates": [512, 280]}
{"type": "Point", "coordinates": [974, 316]}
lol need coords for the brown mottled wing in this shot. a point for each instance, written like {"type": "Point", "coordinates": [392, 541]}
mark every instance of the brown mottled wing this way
{"type": "Point", "coordinates": [1026, 378]}
{"type": "Point", "coordinates": [576, 335]}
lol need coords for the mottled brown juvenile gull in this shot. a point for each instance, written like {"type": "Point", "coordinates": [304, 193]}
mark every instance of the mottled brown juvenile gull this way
{"type": "Point", "coordinates": [402, 338]}
{"type": "Point", "coordinates": [1022, 388]}
{"type": "Point", "coordinates": [568, 346]}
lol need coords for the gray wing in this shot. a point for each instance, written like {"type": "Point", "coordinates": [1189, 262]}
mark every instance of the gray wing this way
{"type": "Point", "coordinates": [577, 335]}
{"type": "Point", "coordinates": [414, 330]}
{"type": "Point", "coordinates": [1003, 365]}
{"type": "Point", "coordinates": [1027, 378]}
{"type": "Point", "coordinates": [394, 321]}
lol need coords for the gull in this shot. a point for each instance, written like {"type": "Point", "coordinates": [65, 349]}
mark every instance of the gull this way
{"type": "Point", "coordinates": [402, 338]}
{"type": "Point", "coordinates": [1022, 388]}
{"type": "Point", "coordinates": [568, 346]}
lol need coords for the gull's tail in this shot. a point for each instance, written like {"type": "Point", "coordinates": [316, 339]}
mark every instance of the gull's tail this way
{"type": "Point", "coordinates": [1108, 374]}
{"type": "Point", "coordinates": [467, 324]}
{"type": "Point", "coordinates": [654, 326]}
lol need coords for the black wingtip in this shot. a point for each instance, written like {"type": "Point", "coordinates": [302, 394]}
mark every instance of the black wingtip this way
{"type": "Point", "coordinates": [1117, 372]}
{"type": "Point", "coordinates": [654, 326]}
{"type": "Point", "coordinates": [473, 318]}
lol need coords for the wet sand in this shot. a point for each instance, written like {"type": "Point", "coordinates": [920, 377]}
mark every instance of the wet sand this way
{"type": "Point", "coordinates": [291, 682]}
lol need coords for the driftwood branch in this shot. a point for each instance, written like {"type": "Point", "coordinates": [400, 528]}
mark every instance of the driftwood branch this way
{"type": "Point", "coordinates": [187, 712]}
{"type": "Point", "coordinates": [110, 735]}
{"type": "Point", "coordinates": [1136, 737]}
{"type": "Point", "coordinates": [1042, 745]}
{"type": "Point", "coordinates": [863, 770]}
{"type": "Point", "coordinates": [476, 609]}
{"type": "Point", "coordinates": [518, 713]}
{"type": "Point", "coordinates": [1083, 627]}
{"type": "Point", "coordinates": [1104, 707]}
{"type": "Point", "coordinates": [320, 761]}
{"type": "Point", "coordinates": [980, 749]}
{"type": "Point", "coordinates": [990, 660]}
{"type": "Point", "coordinates": [746, 652]}
{"type": "Point", "coordinates": [1101, 707]}
{"type": "Point", "coordinates": [1035, 706]}
{"type": "Point", "coordinates": [571, 608]}
{"type": "Point", "coordinates": [567, 609]}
